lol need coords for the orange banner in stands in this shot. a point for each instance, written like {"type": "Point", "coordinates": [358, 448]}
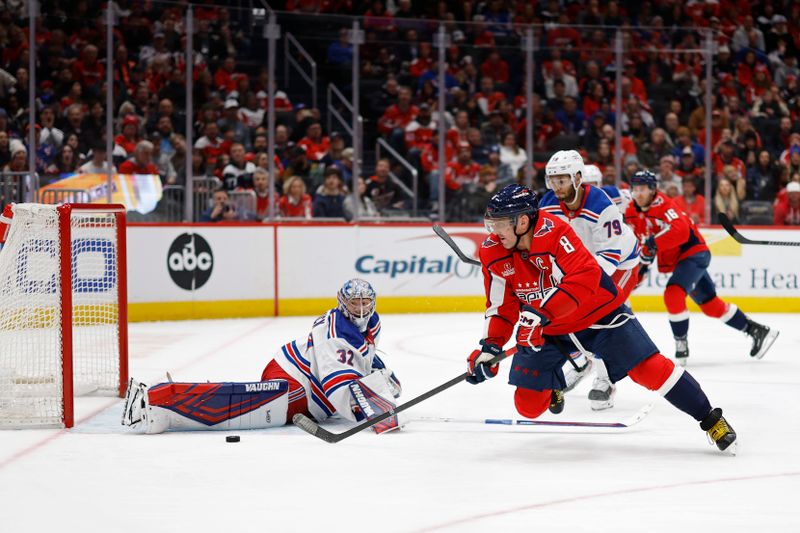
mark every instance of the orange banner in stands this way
{"type": "Point", "coordinates": [137, 192]}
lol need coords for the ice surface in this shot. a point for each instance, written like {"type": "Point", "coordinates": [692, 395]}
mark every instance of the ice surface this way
{"type": "Point", "coordinates": [433, 476]}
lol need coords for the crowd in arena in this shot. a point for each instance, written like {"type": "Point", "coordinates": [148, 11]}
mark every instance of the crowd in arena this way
{"type": "Point", "coordinates": [755, 118]}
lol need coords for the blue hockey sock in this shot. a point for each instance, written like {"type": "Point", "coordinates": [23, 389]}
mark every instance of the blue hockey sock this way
{"type": "Point", "coordinates": [680, 326]}
{"type": "Point", "coordinates": [686, 395]}
{"type": "Point", "coordinates": [738, 320]}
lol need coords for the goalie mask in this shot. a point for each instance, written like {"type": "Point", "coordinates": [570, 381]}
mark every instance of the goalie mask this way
{"type": "Point", "coordinates": [357, 302]}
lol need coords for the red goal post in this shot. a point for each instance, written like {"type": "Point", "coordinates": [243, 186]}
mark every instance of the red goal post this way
{"type": "Point", "coordinates": [63, 311]}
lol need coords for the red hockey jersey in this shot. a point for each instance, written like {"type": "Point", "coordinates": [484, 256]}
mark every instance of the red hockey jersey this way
{"type": "Point", "coordinates": [558, 277]}
{"type": "Point", "coordinates": [676, 235]}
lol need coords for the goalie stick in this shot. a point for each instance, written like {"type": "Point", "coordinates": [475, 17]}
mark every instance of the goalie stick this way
{"type": "Point", "coordinates": [741, 239]}
{"type": "Point", "coordinates": [624, 424]}
{"type": "Point", "coordinates": [309, 426]}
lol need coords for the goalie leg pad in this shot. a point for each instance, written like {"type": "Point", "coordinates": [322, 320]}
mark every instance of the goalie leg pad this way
{"type": "Point", "coordinates": [371, 397]}
{"type": "Point", "coordinates": [219, 406]}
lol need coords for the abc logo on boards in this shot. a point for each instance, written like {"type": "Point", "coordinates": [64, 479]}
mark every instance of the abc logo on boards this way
{"type": "Point", "coordinates": [190, 261]}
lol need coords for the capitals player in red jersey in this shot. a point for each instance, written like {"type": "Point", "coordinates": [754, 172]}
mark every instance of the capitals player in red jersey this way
{"type": "Point", "coordinates": [539, 276]}
{"type": "Point", "coordinates": [671, 238]}
{"type": "Point", "coordinates": [333, 371]}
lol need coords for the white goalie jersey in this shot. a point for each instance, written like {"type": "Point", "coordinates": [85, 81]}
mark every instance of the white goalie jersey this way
{"type": "Point", "coordinates": [334, 355]}
{"type": "Point", "coordinates": [601, 228]}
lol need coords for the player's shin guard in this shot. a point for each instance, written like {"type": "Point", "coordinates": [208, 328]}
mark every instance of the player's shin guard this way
{"type": "Point", "coordinates": [677, 386]}
{"type": "Point", "coordinates": [214, 406]}
{"type": "Point", "coordinates": [675, 302]}
{"type": "Point", "coordinates": [728, 313]}
{"type": "Point", "coordinates": [532, 403]}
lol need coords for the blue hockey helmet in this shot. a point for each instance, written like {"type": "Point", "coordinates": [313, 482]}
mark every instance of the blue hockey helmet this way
{"type": "Point", "coordinates": [644, 177]}
{"type": "Point", "coordinates": [357, 302]}
{"type": "Point", "coordinates": [511, 201]}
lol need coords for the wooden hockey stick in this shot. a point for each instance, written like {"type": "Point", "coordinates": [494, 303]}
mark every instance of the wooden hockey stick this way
{"type": "Point", "coordinates": [309, 426]}
{"type": "Point", "coordinates": [741, 239]}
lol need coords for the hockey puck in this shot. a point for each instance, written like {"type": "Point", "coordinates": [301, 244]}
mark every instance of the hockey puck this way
{"type": "Point", "coordinates": [232, 438]}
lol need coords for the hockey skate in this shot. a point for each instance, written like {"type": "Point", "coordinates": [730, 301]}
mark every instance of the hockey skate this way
{"type": "Point", "coordinates": [556, 402]}
{"type": "Point", "coordinates": [681, 350]}
{"type": "Point", "coordinates": [137, 412]}
{"type": "Point", "coordinates": [762, 336]}
{"type": "Point", "coordinates": [573, 375]}
{"type": "Point", "coordinates": [719, 431]}
{"type": "Point", "coordinates": [602, 394]}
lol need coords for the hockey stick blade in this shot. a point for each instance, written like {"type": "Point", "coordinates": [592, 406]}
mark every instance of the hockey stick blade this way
{"type": "Point", "coordinates": [741, 239]}
{"type": "Point", "coordinates": [438, 230]}
{"type": "Point", "coordinates": [312, 428]}
{"type": "Point", "coordinates": [627, 423]}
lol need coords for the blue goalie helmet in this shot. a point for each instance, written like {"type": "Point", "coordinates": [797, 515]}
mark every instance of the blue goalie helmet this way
{"type": "Point", "coordinates": [357, 302]}
{"type": "Point", "coordinates": [511, 201]}
{"type": "Point", "coordinates": [644, 177]}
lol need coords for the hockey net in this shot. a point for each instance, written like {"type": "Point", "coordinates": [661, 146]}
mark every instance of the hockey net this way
{"type": "Point", "coordinates": [63, 311]}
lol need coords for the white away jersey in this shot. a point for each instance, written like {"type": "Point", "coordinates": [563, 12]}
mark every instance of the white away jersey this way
{"type": "Point", "coordinates": [600, 227]}
{"type": "Point", "coordinates": [334, 354]}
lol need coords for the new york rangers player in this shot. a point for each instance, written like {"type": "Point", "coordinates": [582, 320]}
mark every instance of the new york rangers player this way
{"type": "Point", "coordinates": [333, 371]}
{"type": "Point", "coordinates": [539, 276]}
{"type": "Point", "coordinates": [600, 227]}
{"type": "Point", "coordinates": [671, 238]}
{"type": "Point", "coordinates": [620, 197]}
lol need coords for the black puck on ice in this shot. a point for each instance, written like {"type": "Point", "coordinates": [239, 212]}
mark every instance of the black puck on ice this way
{"type": "Point", "coordinates": [232, 438]}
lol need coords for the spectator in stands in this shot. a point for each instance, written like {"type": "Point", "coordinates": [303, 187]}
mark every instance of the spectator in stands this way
{"type": "Point", "coordinates": [684, 141]}
{"type": "Point", "coordinates": [366, 207]}
{"type": "Point", "coordinates": [690, 202]}
{"type": "Point", "coordinates": [263, 195]}
{"type": "Point", "coordinates": [495, 130]}
{"type": "Point", "coordinates": [129, 137]}
{"type": "Point", "coordinates": [654, 151]}
{"type": "Point", "coordinates": [50, 134]}
{"type": "Point", "coordinates": [141, 162]}
{"type": "Point", "coordinates": [666, 175]}
{"type": "Point", "coordinates": [495, 67]}
{"type": "Point", "coordinates": [726, 201]}
{"type": "Point", "coordinates": [212, 145]}
{"type": "Point", "coordinates": [5, 148]}
{"type": "Point", "coordinates": [501, 170]}
{"type": "Point", "coordinates": [19, 157]}
{"type": "Point", "coordinates": [345, 165]}
{"type": "Point", "coordinates": [746, 34]}
{"type": "Point", "coordinates": [479, 151]}
{"type": "Point", "coordinates": [571, 118]}
{"type": "Point", "coordinates": [75, 124]}
{"type": "Point", "coordinates": [557, 73]}
{"type": "Point", "coordinates": [396, 117]}
{"type": "Point", "coordinates": [762, 179]}
{"type": "Point", "coordinates": [222, 209]}
{"type": "Point", "coordinates": [340, 52]}
{"type": "Point", "coordinates": [687, 165]}
{"type": "Point", "coordinates": [380, 188]}
{"type": "Point", "coordinates": [98, 164]}
{"type": "Point", "coordinates": [65, 163]}
{"type": "Point", "coordinates": [315, 144]}
{"type": "Point", "coordinates": [726, 157]}
{"type": "Point", "coordinates": [512, 154]}
{"type": "Point", "coordinates": [295, 203]}
{"type": "Point", "coordinates": [329, 198]}
{"type": "Point", "coordinates": [238, 173]}
{"type": "Point", "coordinates": [787, 212]}
{"type": "Point", "coordinates": [239, 133]}
{"type": "Point", "coordinates": [88, 71]}
{"type": "Point", "coordinates": [738, 181]}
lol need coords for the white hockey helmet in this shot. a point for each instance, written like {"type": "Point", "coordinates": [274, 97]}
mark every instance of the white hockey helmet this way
{"type": "Point", "coordinates": [357, 302]}
{"type": "Point", "coordinates": [568, 162]}
{"type": "Point", "coordinates": [591, 174]}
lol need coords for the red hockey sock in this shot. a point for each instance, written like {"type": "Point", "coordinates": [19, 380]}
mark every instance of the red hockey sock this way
{"type": "Point", "coordinates": [675, 299]}
{"type": "Point", "coordinates": [653, 372]}
{"type": "Point", "coordinates": [714, 308]}
{"type": "Point", "coordinates": [531, 403]}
